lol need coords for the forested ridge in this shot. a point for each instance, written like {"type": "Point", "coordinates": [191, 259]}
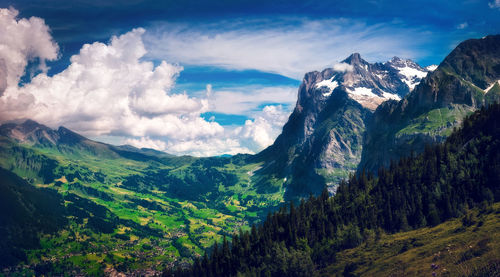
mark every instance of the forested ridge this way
{"type": "Point", "coordinates": [421, 190]}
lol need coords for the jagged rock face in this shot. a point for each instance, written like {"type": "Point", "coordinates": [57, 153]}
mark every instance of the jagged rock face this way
{"type": "Point", "coordinates": [463, 82]}
{"type": "Point", "coordinates": [322, 140]}
{"type": "Point", "coordinates": [408, 71]}
{"type": "Point", "coordinates": [372, 84]}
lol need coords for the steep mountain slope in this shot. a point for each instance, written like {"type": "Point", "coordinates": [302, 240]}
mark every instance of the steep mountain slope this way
{"type": "Point", "coordinates": [153, 209]}
{"type": "Point", "coordinates": [463, 82]}
{"type": "Point", "coordinates": [322, 140]}
{"type": "Point", "coordinates": [419, 192]}
{"type": "Point", "coordinates": [25, 211]}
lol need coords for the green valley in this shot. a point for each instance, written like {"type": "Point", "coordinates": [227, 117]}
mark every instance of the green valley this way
{"type": "Point", "coordinates": [132, 210]}
{"type": "Point", "coordinates": [372, 163]}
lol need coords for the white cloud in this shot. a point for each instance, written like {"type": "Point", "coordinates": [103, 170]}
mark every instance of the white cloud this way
{"type": "Point", "coordinates": [199, 147]}
{"type": "Point", "coordinates": [343, 67]}
{"type": "Point", "coordinates": [290, 47]}
{"type": "Point", "coordinates": [264, 129]}
{"type": "Point", "coordinates": [208, 147]}
{"type": "Point", "coordinates": [108, 90]}
{"type": "Point", "coordinates": [494, 4]}
{"type": "Point", "coordinates": [253, 136]}
{"type": "Point", "coordinates": [464, 25]}
{"type": "Point", "coordinates": [246, 100]}
{"type": "Point", "coordinates": [22, 40]}
{"type": "Point", "coordinates": [146, 142]}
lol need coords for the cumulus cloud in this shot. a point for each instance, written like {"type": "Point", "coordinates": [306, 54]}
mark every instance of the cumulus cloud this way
{"type": "Point", "coordinates": [343, 67]}
{"type": "Point", "coordinates": [495, 4]}
{"type": "Point", "coordinates": [263, 130]}
{"type": "Point", "coordinates": [253, 136]}
{"type": "Point", "coordinates": [22, 40]}
{"type": "Point", "coordinates": [209, 147]}
{"type": "Point", "coordinates": [110, 91]}
{"type": "Point", "coordinates": [212, 146]}
{"type": "Point", "coordinates": [290, 47]}
{"type": "Point", "coordinates": [146, 142]}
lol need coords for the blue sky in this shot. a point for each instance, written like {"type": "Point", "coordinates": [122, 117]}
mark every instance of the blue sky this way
{"type": "Point", "coordinates": [229, 69]}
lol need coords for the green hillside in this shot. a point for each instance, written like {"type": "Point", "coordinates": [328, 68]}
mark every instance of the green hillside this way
{"type": "Point", "coordinates": [131, 210]}
{"type": "Point", "coordinates": [468, 246]}
{"type": "Point", "coordinates": [346, 234]}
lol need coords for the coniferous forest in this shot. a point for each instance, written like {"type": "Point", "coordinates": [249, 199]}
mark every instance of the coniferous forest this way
{"type": "Point", "coordinates": [418, 191]}
{"type": "Point", "coordinates": [246, 138]}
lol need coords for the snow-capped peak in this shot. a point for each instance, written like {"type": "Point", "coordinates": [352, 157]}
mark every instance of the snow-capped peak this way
{"type": "Point", "coordinates": [368, 99]}
{"type": "Point", "coordinates": [410, 72]}
{"type": "Point", "coordinates": [370, 84]}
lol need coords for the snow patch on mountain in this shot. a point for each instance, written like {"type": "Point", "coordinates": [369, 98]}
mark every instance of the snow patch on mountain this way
{"type": "Point", "coordinates": [330, 83]}
{"type": "Point", "coordinates": [391, 96]}
{"type": "Point", "coordinates": [431, 67]}
{"type": "Point", "coordinates": [368, 99]}
{"type": "Point", "coordinates": [371, 84]}
{"type": "Point", "coordinates": [411, 73]}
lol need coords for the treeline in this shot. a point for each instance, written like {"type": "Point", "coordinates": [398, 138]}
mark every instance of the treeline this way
{"type": "Point", "coordinates": [418, 191]}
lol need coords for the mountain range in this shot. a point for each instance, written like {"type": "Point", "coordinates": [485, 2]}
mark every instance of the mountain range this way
{"type": "Point", "coordinates": [413, 203]}
{"type": "Point", "coordinates": [359, 116]}
{"type": "Point", "coordinates": [355, 117]}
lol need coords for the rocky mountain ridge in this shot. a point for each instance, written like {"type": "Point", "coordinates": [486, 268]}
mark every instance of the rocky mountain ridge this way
{"type": "Point", "coordinates": [63, 139]}
{"type": "Point", "coordinates": [359, 116]}
{"type": "Point", "coordinates": [354, 116]}
{"type": "Point", "coordinates": [465, 81]}
{"type": "Point", "coordinates": [323, 139]}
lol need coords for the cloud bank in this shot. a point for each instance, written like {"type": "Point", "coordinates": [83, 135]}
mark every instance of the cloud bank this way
{"type": "Point", "coordinates": [109, 90]}
{"type": "Point", "coordinates": [290, 47]}
{"type": "Point", "coordinates": [22, 40]}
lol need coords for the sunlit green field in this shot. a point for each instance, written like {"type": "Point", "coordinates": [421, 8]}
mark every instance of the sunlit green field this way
{"type": "Point", "coordinates": [133, 215]}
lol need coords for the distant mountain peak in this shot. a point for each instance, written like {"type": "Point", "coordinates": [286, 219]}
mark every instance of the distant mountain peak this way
{"type": "Point", "coordinates": [69, 137]}
{"type": "Point", "coordinates": [31, 125]}
{"type": "Point", "coordinates": [395, 59]}
{"type": "Point", "coordinates": [409, 71]}
{"type": "Point", "coordinates": [399, 62]}
{"type": "Point", "coordinates": [370, 84]}
{"type": "Point", "coordinates": [65, 140]}
{"type": "Point", "coordinates": [354, 58]}
{"type": "Point", "coordinates": [32, 132]}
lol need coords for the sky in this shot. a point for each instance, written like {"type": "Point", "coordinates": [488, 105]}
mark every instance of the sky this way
{"type": "Point", "coordinates": [203, 78]}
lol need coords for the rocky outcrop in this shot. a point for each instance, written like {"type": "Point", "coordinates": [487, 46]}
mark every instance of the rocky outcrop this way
{"type": "Point", "coordinates": [461, 84]}
{"type": "Point", "coordinates": [323, 139]}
